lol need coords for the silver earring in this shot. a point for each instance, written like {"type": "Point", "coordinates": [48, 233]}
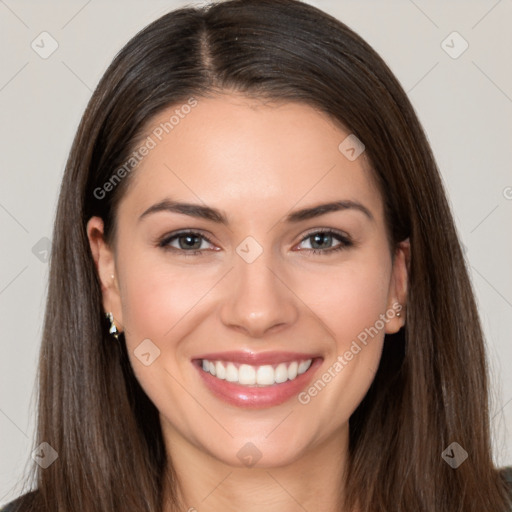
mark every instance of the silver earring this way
{"type": "Point", "coordinates": [113, 328]}
{"type": "Point", "coordinates": [399, 314]}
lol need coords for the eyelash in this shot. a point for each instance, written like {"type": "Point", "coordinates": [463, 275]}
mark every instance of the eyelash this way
{"type": "Point", "coordinates": [345, 242]}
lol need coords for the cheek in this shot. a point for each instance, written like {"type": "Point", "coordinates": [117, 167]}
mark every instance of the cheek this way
{"type": "Point", "coordinates": [348, 298]}
{"type": "Point", "coordinates": [349, 302]}
{"type": "Point", "coordinates": [165, 303]}
{"type": "Point", "coordinates": [162, 303]}
{"type": "Point", "coordinates": [156, 295]}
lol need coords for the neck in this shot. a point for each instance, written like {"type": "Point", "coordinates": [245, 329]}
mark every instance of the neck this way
{"type": "Point", "coordinates": [314, 481]}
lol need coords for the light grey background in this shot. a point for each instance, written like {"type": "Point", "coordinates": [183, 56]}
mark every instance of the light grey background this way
{"type": "Point", "coordinates": [464, 103]}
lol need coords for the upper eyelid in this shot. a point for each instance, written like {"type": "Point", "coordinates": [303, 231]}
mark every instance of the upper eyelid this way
{"type": "Point", "coordinates": [338, 232]}
{"type": "Point", "coordinates": [166, 239]}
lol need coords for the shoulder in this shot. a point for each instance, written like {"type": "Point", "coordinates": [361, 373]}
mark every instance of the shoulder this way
{"type": "Point", "coordinates": [506, 474]}
{"type": "Point", "coordinates": [15, 505]}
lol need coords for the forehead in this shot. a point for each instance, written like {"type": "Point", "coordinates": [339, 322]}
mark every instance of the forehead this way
{"type": "Point", "coordinates": [231, 150]}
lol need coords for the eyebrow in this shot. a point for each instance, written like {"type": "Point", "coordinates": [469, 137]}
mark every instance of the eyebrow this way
{"type": "Point", "coordinates": [214, 215]}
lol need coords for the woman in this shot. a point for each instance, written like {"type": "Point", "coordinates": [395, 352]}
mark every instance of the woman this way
{"type": "Point", "coordinates": [201, 349]}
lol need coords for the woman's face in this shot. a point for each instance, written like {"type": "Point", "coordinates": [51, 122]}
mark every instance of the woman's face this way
{"type": "Point", "coordinates": [214, 267]}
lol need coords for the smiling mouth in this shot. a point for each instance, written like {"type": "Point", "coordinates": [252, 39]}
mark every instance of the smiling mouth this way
{"type": "Point", "coordinates": [255, 375]}
{"type": "Point", "coordinates": [248, 380]}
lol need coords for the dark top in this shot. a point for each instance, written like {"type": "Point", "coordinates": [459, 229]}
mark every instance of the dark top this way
{"type": "Point", "coordinates": [13, 505]}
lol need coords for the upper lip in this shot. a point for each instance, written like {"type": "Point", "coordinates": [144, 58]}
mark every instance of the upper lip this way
{"type": "Point", "coordinates": [257, 359]}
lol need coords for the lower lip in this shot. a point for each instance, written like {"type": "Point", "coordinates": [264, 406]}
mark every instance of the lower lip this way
{"type": "Point", "coordinates": [255, 397]}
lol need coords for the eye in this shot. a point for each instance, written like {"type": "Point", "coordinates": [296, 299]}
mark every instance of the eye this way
{"type": "Point", "coordinates": [189, 243]}
{"type": "Point", "coordinates": [321, 241]}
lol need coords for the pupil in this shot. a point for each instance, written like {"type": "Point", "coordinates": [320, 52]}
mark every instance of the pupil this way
{"type": "Point", "coordinates": [321, 236]}
{"type": "Point", "coordinates": [188, 242]}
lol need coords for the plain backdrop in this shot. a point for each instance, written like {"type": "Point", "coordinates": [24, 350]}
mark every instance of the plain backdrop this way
{"type": "Point", "coordinates": [463, 97]}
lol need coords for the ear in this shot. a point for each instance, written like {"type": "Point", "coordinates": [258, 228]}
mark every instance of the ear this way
{"type": "Point", "coordinates": [104, 260]}
{"type": "Point", "coordinates": [397, 295]}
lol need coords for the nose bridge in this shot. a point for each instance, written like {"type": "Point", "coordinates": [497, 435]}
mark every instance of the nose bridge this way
{"type": "Point", "coordinates": [257, 300]}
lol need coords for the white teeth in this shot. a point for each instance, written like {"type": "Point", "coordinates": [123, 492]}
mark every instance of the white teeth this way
{"type": "Point", "coordinates": [281, 373]}
{"type": "Point", "coordinates": [231, 372]}
{"type": "Point", "coordinates": [292, 370]}
{"type": "Point", "coordinates": [220, 370]}
{"type": "Point", "coordinates": [248, 375]}
{"type": "Point", "coordinates": [265, 375]}
{"type": "Point", "coordinates": [304, 366]}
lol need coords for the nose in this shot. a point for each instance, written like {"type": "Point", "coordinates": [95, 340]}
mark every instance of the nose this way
{"type": "Point", "coordinates": [258, 300]}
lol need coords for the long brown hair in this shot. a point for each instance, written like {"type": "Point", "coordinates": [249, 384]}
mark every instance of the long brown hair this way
{"type": "Point", "coordinates": [431, 388]}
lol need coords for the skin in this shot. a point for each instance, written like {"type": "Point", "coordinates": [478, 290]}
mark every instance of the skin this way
{"type": "Point", "coordinates": [256, 162]}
